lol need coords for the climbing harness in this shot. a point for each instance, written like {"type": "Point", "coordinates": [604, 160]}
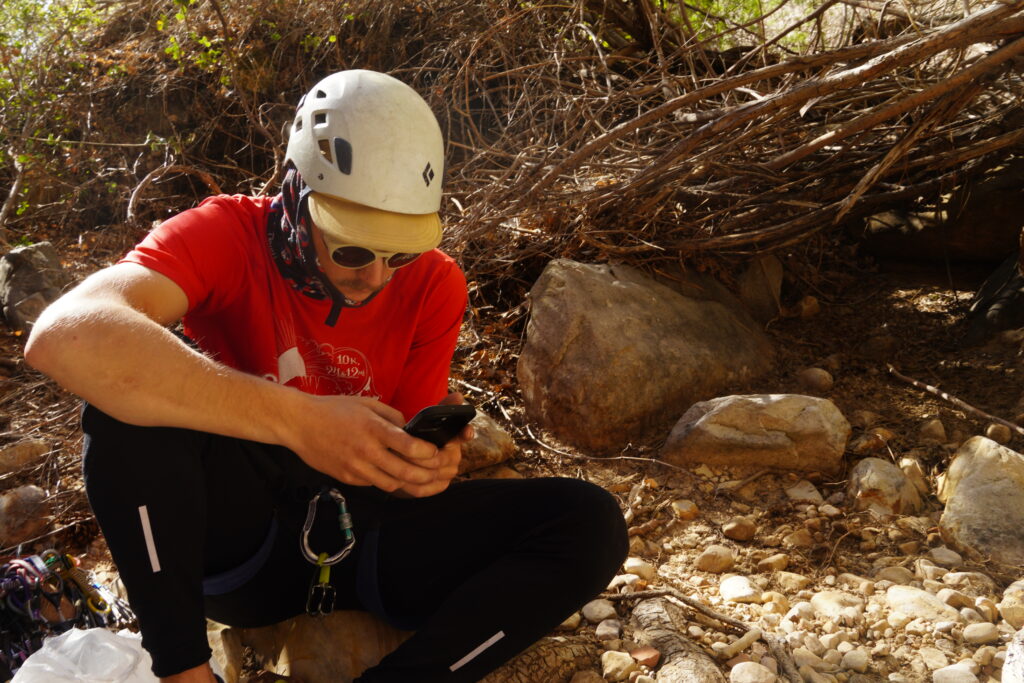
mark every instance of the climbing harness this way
{"type": "Point", "coordinates": [48, 594]}
{"type": "Point", "coordinates": [321, 592]}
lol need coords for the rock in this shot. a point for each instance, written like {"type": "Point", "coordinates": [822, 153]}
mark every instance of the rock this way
{"type": "Point", "coordinates": [916, 603]}
{"type": "Point", "coordinates": [791, 582]}
{"type": "Point", "coordinates": [801, 538]}
{"type": "Point", "coordinates": [492, 445]}
{"type": "Point", "coordinates": [781, 431]}
{"type": "Point", "coordinates": [24, 514]}
{"type": "Point", "coordinates": [31, 278]}
{"type": "Point", "coordinates": [987, 608]}
{"type": "Point", "coordinates": [898, 575]}
{"type": "Point", "coordinates": [981, 634]}
{"type": "Point", "coordinates": [595, 329]}
{"type": "Point", "coordinates": [856, 660]}
{"type": "Point", "coordinates": [933, 658]}
{"type": "Point", "coordinates": [739, 529]}
{"type": "Point", "coordinates": [22, 454]}
{"type": "Point", "coordinates": [911, 468]}
{"type": "Point", "coordinates": [808, 307]}
{"type": "Point", "coordinates": [815, 379]}
{"type": "Point", "coordinates": [608, 629]}
{"type": "Point", "coordinates": [738, 589]}
{"type": "Point", "coordinates": [572, 622]}
{"type": "Point", "coordinates": [337, 646]}
{"type": "Point", "coordinates": [716, 559]}
{"type": "Point", "coordinates": [954, 598]}
{"type": "Point", "coordinates": [933, 430]}
{"type": "Point", "coordinates": [588, 676]}
{"type": "Point", "coordinates": [641, 568]}
{"type": "Point", "coordinates": [804, 492]}
{"type": "Point", "coordinates": [773, 563]}
{"type": "Point", "coordinates": [616, 666]}
{"type": "Point", "coordinates": [953, 674]}
{"type": "Point", "coordinates": [974, 584]}
{"type": "Point", "coordinates": [751, 672]}
{"type": "Point", "coordinates": [760, 286]}
{"type": "Point", "coordinates": [999, 433]}
{"type": "Point", "coordinates": [685, 509]}
{"type": "Point", "coordinates": [830, 511]}
{"type": "Point", "coordinates": [880, 487]}
{"type": "Point", "coordinates": [804, 657]}
{"type": "Point", "coordinates": [598, 610]}
{"type": "Point", "coordinates": [838, 606]}
{"type": "Point", "coordinates": [944, 557]}
{"type": "Point", "coordinates": [1013, 665]}
{"type": "Point", "coordinates": [645, 656]}
{"type": "Point", "coordinates": [982, 472]}
{"type": "Point", "coordinates": [1011, 607]}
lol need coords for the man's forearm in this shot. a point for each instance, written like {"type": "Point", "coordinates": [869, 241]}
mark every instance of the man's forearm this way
{"type": "Point", "coordinates": [138, 372]}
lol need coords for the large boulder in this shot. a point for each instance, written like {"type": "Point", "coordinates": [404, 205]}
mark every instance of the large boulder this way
{"type": "Point", "coordinates": [611, 356]}
{"type": "Point", "coordinates": [779, 431]}
{"type": "Point", "coordinates": [31, 278]}
{"type": "Point", "coordinates": [984, 495]}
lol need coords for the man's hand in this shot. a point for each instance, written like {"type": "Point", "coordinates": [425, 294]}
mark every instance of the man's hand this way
{"type": "Point", "coordinates": [448, 459]}
{"type": "Point", "coordinates": [360, 441]}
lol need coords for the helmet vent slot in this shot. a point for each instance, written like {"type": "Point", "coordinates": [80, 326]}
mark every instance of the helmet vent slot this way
{"type": "Point", "coordinates": [320, 94]}
{"type": "Point", "coordinates": [298, 124]}
{"type": "Point", "coordinates": [325, 150]}
{"type": "Point", "coordinates": [343, 155]}
{"type": "Point", "coordinates": [320, 118]}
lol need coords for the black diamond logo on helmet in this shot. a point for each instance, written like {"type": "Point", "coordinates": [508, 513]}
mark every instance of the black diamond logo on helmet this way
{"type": "Point", "coordinates": [428, 174]}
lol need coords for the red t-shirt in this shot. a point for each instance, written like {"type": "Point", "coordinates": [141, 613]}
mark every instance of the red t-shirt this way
{"type": "Point", "coordinates": [241, 311]}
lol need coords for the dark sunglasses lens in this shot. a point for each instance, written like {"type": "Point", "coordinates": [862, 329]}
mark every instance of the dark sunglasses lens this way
{"type": "Point", "coordinates": [353, 257]}
{"type": "Point", "coordinates": [399, 260]}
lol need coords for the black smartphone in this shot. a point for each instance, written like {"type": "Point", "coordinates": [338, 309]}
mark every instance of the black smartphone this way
{"type": "Point", "coordinates": [440, 424]}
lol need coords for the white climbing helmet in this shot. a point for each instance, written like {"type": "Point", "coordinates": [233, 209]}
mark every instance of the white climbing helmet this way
{"type": "Point", "coordinates": [371, 150]}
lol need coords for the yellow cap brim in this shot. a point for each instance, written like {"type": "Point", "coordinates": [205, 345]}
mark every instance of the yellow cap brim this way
{"type": "Point", "coordinates": [364, 226]}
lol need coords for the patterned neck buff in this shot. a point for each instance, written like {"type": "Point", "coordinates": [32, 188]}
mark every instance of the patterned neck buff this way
{"type": "Point", "coordinates": [290, 237]}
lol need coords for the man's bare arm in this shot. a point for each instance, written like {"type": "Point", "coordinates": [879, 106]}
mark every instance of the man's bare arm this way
{"type": "Point", "coordinates": [107, 341]}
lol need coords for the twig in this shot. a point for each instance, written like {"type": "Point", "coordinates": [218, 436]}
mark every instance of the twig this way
{"type": "Point", "coordinates": [651, 461]}
{"type": "Point", "coordinates": [692, 603]}
{"type": "Point", "coordinates": [955, 401]}
{"type": "Point", "coordinates": [158, 173]}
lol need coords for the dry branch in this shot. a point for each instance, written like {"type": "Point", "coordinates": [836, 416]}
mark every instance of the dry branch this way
{"type": "Point", "coordinates": [159, 173]}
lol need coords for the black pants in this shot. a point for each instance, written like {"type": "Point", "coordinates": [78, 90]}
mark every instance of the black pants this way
{"type": "Point", "coordinates": [479, 571]}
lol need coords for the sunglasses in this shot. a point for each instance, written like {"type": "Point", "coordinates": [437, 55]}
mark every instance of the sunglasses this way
{"type": "Point", "coordinates": [353, 257]}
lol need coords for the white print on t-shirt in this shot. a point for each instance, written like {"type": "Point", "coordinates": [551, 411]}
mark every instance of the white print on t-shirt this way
{"type": "Point", "coordinates": [323, 369]}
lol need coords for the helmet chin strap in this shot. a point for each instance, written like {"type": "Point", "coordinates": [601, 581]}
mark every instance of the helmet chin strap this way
{"type": "Point", "coordinates": [339, 300]}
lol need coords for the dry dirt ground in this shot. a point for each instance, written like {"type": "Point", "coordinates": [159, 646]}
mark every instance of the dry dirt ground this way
{"type": "Point", "coordinates": [869, 316]}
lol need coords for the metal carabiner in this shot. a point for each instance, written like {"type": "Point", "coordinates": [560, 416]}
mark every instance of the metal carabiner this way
{"type": "Point", "coordinates": [344, 521]}
{"type": "Point", "coordinates": [320, 600]}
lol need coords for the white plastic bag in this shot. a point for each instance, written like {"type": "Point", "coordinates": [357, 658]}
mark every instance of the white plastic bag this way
{"type": "Point", "coordinates": [95, 655]}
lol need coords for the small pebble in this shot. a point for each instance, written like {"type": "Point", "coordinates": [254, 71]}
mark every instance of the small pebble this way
{"type": "Point", "coordinates": [641, 568]}
{"type": "Point", "coordinates": [716, 559]}
{"type": "Point", "coordinates": [646, 656]}
{"type": "Point", "coordinates": [598, 610]}
{"type": "Point", "coordinates": [751, 672]}
{"type": "Point", "coordinates": [739, 529]}
{"type": "Point", "coordinates": [609, 629]}
{"type": "Point", "coordinates": [999, 433]}
{"type": "Point", "coordinates": [616, 666]}
{"type": "Point", "coordinates": [981, 634]}
{"type": "Point", "coordinates": [933, 430]}
{"type": "Point", "coordinates": [815, 379]}
{"type": "Point", "coordinates": [685, 509]}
